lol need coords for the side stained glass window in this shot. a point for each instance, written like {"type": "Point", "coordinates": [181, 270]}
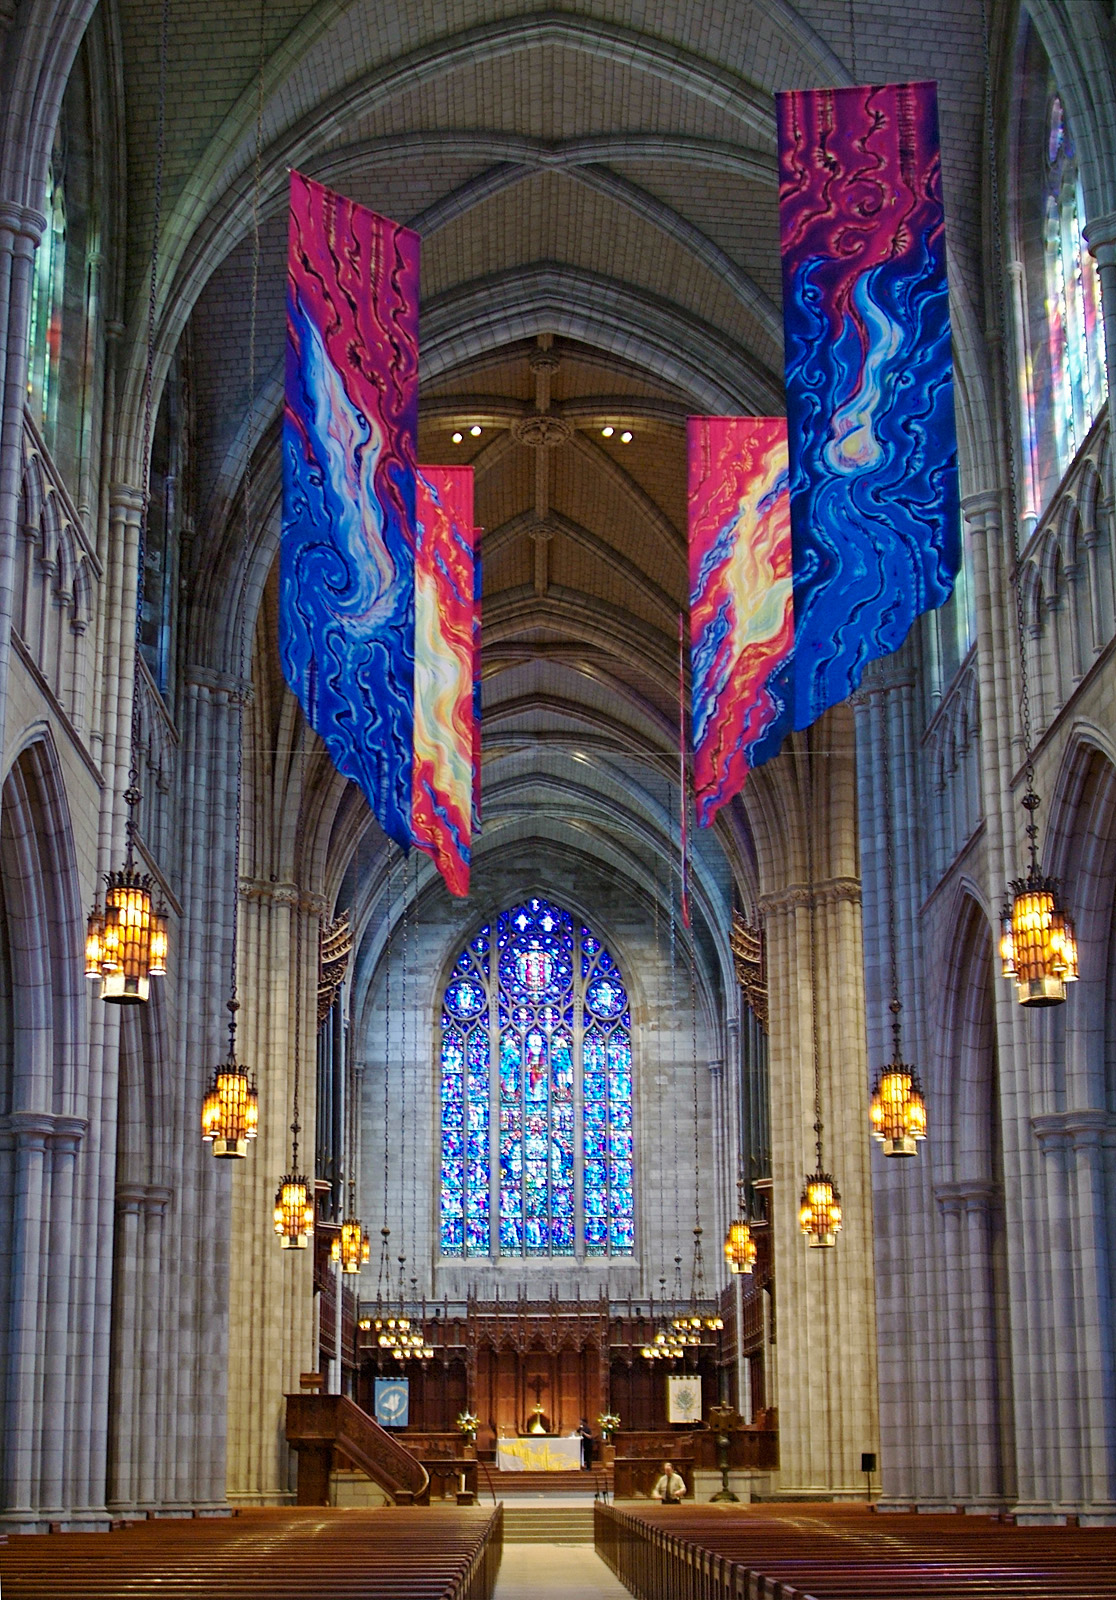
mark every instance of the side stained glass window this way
{"type": "Point", "coordinates": [1073, 304]}
{"type": "Point", "coordinates": [466, 1054]}
{"type": "Point", "coordinates": [548, 1137]}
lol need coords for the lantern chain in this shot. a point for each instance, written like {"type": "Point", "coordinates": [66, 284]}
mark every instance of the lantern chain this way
{"type": "Point", "coordinates": [818, 1127]}
{"type": "Point", "coordinates": [132, 794]}
{"type": "Point", "coordinates": [896, 1005]}
{"type": "Point", "coordinates": [245, 547]}
{"type": "Point", "coordinates": [295, 1125]}
{"type": "Point", "coordinates": [387, 1037]}
{"type": "Point", "coordinates": [1030, 798]}
{"type": "Point", "coordinates": [852, 39]}
{"type": "Point", "coordinates": [403, 1076]}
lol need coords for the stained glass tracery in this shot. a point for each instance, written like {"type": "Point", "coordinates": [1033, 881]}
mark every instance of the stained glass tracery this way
{"type": "Point", "coordinates": [542, 997]}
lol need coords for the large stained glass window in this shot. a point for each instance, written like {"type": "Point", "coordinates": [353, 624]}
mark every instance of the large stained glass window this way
{"type": "Point", "coordinates": [545, 1143]}
{"type": "Point", "coordinates": [1073, 306]}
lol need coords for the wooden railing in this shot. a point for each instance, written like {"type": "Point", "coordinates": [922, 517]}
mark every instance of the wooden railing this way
{"type": "Point", "coordinates": [318, 1424]}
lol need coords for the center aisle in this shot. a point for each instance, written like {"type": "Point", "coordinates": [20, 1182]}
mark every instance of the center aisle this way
{"type": "Point", "coordinates": [561, 1571]}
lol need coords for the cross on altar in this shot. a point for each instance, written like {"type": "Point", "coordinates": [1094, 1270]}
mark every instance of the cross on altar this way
{"type": "Point", "coordinates": [537, 1384]}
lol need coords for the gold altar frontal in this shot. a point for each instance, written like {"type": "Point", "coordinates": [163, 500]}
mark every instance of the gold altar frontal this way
{"type": "Point", "coordinates": [538, 1454]}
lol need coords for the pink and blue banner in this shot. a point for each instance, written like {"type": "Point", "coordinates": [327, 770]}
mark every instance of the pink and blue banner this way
{"type": "Point", "coordinates": [445, 653]}
{"type": "Point", "coordinates": [741, 608]}
{"type": "Point", "coordinates": [875, 515]}
{"type": "Point", "coordinates": [347, 619]}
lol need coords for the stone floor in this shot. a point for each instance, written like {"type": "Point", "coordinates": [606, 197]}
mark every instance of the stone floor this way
{"type": "Point", "coordinates": [556, 1572]}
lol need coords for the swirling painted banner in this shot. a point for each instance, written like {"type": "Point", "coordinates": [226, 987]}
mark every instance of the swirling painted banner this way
{"type": "Point", "coordinates": [741, 610]}
{"type": "Point", "coordinates": [445, 649]}
{"type": "Point", "coordinates": [346, 613]}
{"type": "Point", "coordinates": [869, 378]}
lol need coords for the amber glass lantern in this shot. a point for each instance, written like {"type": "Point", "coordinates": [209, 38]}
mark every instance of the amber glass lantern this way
{"type": "Point", "coordinates": [126, 939]}
{"type": "Point", "coordinates": [351, 1249]}
{"type": "Point", "coordinates": [819, 1214]}
{"type": "Point", "coordinates": [1038, 946]}
{"type": "Point", "coordinates": [294, 1212]}
{"type": "Point", "coordinates": [740, 1248]}
{"type": "Point", "coordinates": [898, 1111]}
{"type": "Point", "coordinates": [231, 1111]}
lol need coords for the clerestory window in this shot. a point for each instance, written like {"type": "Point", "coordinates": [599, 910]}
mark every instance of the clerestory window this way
{"type": "Point", "coordinates": [536, 1092]}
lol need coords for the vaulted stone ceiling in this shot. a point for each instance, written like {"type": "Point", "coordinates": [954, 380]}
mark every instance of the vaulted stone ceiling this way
{"type": "Point", "coordinates": [595, 190]}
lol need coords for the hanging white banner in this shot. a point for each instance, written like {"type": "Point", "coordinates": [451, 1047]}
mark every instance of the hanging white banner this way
{"type": "Point", "coordinates": [684, 1398]}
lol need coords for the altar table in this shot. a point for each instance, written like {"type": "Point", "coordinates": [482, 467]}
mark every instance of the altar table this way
{"type": "Point", "coordinates": [538, 1454]}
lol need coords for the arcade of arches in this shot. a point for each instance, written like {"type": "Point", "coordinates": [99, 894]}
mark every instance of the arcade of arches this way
{"type": "Point", "coordinates": [594, 186]}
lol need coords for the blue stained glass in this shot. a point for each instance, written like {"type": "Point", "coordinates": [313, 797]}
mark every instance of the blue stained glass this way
{"type": "Point", "coordinates": [562, 1033]}
{"type": "Point", "coordinates": [605, 998]}
{"type": "Point", "coordinates": [465, 998]}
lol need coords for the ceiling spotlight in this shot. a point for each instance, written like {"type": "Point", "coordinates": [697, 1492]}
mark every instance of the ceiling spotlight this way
{"type": "Point", "coordinates": [626, 437]}
{"type": "Point", "coordinates": [606, 433]}
{"type": "Point", "coordinates": [475, 430]}
{"type": "Point", "coordinates": [457, 438]}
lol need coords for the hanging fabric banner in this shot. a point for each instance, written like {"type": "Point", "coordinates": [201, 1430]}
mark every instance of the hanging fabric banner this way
{"type": "Point", "coordinates": [875, 513]}
{"type": "Point", "coordinates": [683, 797]}
{"type": "Point", "coordinates": [741, 610]}
{"type": "Point", "coordinates": [346, 610]}
{"type": "Point", "coordinates": [445, 652]}
{"type": "Point", "coordinates": [477, 591]}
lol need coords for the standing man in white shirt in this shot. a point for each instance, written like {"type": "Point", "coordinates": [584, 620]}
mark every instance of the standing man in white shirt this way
{"type": "Point", "coordinates": [670, 1487]}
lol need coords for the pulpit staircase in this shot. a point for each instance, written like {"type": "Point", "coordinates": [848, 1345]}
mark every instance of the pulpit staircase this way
{"type": "Point", "coordinates": [319, 1424]}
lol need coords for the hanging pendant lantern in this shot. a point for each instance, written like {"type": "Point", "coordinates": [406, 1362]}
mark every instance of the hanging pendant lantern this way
{"type": "Point", "coordinates": [352, 1248]}
{"type": "Point", "coordinates": [231, 1111]}
{"type": "Point", "coordinates": [126, 938]}
{"type": "Point", "coordinates": [898, 1110]}
{"type": "Point", "coordinates": [294, 1212]}
{"type": "Point", "coordinates": [819, 1214]}
{"type": "Point", "coordinates": [740, 1246]}
{"type": "Point", "coordinates": [1038, 945]}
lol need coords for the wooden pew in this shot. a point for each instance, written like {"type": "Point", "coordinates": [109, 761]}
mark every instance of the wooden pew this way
{"type": "Point", "coordinates": [847, 1553]}
{"type": "Point", "coordinates": [389, 1554]}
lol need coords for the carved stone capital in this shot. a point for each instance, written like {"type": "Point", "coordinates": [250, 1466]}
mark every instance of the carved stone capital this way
{"type": "Point", "coordinates": [133, 1199]}
{"type": "Point", "coordinates": [217, 682]}
{"type": "Point", "coordinates": [22, 222]}
{"type": "Point", "coordinates": [40, 1130]}
{"type": "Point", "coordinates": [126, 503]}
{"type": "Point", "coordinates": [284, 893]}
{"type": "Point", "coordinates": [970, 1195]}
{"type": "Point", "coordinates": [831, 891]}
{"type": "Point", "coordinates": [1084, 1129]}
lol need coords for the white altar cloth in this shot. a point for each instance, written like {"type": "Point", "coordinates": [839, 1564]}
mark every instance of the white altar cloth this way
{"type": "Point", "coordinates": [538, 1454]}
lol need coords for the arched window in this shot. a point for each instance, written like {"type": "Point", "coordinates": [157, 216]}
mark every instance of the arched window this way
{"type": "Point", "coordinates": [1073, 304]}
{"type": "Point", "coordinates": [48, 288]}
{"type": "Point", "coordinates": [1059, 339]}
{"type": "Point", "coordinates": [543, 1143]}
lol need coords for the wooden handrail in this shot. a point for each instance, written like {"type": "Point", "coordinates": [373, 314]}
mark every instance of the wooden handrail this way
{"type": "Point", "coordinates": [317, 1424]}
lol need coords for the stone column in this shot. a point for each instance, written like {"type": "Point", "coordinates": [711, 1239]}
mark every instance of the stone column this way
{"type": "Point", "coordinates": [271, 1305]}
{"type": "Point", "coordinates": [826, 1381]}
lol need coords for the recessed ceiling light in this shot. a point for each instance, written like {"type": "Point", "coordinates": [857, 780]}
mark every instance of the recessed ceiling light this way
{"type": "Point", "coordinates": [457, 438]}
{"type": "Point", "coordinates": [475, 430]}
{"type": "Point", "coordinates": [606, 433]}
{"type": "Point", "coordinates": [626, 437]}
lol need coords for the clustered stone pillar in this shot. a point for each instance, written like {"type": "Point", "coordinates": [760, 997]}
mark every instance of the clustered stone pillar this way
{"type": "Point", "coordinates": [825, 1385]}
{"type": "Point", "coordinates": [271, 1300]}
